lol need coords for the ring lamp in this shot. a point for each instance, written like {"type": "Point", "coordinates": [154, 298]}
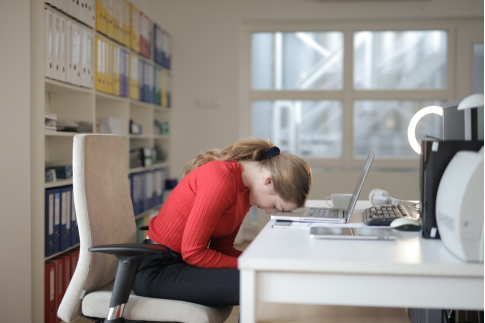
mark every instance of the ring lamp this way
{"type": "Point", "coordinates": [414, 122]}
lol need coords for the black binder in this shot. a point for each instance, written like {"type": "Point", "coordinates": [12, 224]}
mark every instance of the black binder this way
{"type": "Point", "coordinates": [435, 156]}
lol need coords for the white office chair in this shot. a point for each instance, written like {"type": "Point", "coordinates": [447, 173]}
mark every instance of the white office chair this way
{"type": "Point", "coordinates": [101, 288]}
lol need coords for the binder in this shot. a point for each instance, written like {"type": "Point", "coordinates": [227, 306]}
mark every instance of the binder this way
{"type": "Point", "coordinates": [49, 46]}
{"type": "Point", "coordinates": [65, 224]}
{"type": "Point", "coordinates": [164, 88]}
{"type": "Point", "coordinates": [126, 23]}
{"type": "Point", "coordinates": [63, 51]}
{"type": "Point", "coordinates": [74, 9]}
{"type": "Point", "coordinates": [98, 82]}
{"type": "Point", "coordinates": [99, 17]}
{"type": "Point", "coordinates": [59, 282]}
{"type": "Point", "coordinates": [50, 309]}
{"type": "Point", "coordinates": [117, 20]}
{"type": "Point", "coordinates": [49, 222]}
{"type": "Point", "coordinates": [66, 266]}
{"type": "Point", "coordinates": [91, 13]}
{"type": "Point", "coordinates": [56, 43]}
{"type": "Point", "coordinates": [134, 92]}
{"type": "Point", "coordinates": [76, 54]}
{"type": "Point", "coordinates": [65, 6]}
{"type": "Point", "coordinates": [134, 28]}
{"type": "Point", "coordinates": [169, 89]}
{"type": "Point", "coordinates": [152, 82]}
{"type": "Point", "coordinates": [109, 14]}
{"type": "Point", "coordinates": [74, 236]}
{"type": "Point", "coordinates": [57, 220]}
{"type": "Point", "coordinates": [109, 64]}
{"type": "Point", "coordinates": [116, 70]}
{"type": "Point", "coordinates": [87, 58]}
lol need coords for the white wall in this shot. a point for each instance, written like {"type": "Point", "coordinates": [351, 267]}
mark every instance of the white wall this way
{"type": "Point", "coordinates": [15, 263]}
{"type": "Point", "coordinates": [207, 49]}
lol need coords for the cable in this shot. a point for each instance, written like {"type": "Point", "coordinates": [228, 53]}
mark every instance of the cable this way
{"type": "Point", "coordinates": [446, 317]}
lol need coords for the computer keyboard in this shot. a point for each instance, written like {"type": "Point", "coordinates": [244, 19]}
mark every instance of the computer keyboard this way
{"type": "Point", "coordinates": [384, 215]}
{"type": "Point", "coordinates": [323, 212]}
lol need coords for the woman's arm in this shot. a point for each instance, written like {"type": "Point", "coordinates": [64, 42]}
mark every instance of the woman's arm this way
{"type": "Point", "coordinates": [226, 244]}
{"type": "Point", "coordinates": [215, 192]}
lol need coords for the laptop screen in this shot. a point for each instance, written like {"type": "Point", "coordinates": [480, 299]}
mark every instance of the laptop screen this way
{"type": "Point", "coordinates": [360, 182]}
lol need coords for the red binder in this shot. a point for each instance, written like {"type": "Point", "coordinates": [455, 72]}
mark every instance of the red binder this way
{"type": "Point", "coordinates": [67, 273]}
{"type": "Point", "coordinates": [59, 282]}
{"type": "Point", "coordinates": [50, 294]}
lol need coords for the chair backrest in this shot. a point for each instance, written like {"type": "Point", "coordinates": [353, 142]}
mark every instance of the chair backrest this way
{"type": "Point", "coordinates": [104, 214]}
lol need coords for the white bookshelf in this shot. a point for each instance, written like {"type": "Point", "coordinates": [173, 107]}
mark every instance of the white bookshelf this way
{"type": "Point", "coordinates": [75, 103]}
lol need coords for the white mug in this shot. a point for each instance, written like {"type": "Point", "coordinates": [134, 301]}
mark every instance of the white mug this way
{"type": "Point", "coordinates": [339, 201]}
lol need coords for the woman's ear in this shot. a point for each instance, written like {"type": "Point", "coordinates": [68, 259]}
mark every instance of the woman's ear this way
{"type": "Point", "coordinates": [268, 180]}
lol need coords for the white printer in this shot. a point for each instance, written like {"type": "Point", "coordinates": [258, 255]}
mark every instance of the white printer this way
{"type": "Point", "coordinates": [459, 206]}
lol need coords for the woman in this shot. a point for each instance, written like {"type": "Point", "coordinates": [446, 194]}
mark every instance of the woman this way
{"type": "Point", "coordinates": [202, 216]}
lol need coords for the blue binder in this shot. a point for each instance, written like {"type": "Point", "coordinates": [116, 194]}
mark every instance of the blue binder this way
{"type": "Point", "coordinates": [57, 219]}
{"type": "Point", "coordinates": [65, 221]}
{"type": "Point", "coordinates": [49, 222]}
{"type": "Point", "coordinates": [73, 237]}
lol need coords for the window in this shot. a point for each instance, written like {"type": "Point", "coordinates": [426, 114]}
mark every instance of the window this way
{"type": "Point", "coordinates": [331, 92]}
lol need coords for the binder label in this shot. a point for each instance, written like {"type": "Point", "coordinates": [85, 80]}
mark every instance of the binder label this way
{"type": "Point", "coordinates": [51, 214]}
{"type": "Point", "coordinates": [51, 287]}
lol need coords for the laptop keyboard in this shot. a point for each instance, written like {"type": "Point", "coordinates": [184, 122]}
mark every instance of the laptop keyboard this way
{"type": "Point", "coordinates": [323, 213]}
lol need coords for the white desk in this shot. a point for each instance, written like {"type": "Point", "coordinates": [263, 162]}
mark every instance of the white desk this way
{"type": "Point", "coordinates": [286, 266]}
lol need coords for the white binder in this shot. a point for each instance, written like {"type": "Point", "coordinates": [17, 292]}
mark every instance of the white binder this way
{"type": "Point", "coordinates": [76, 53]}
{"type": "Point", "coordinates": [63, 50]}
{"type": "Point", "coordinates": [57, 45]}
{"type": "Point", "coordinates": [91, 13]}
{"type": "Point", "coordinates": [49, 46]}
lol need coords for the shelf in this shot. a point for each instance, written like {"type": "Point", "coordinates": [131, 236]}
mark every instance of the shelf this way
{"type": "Point", "coordinates": [161, 109]}
{"type": "Point", "coordinates": [62, 252]}
{"type": "Point", "coordinates": [53, 86]}
{"type": "Point", "coordinates": [141, 104]}
{"type": "Point", "coordinates": [100, 96]}
{"type": "Point", "coordinates": [144, 169]}
{"type": "Point", "coordinates": [153, 210]}
{"type": "Point", "coordinates": [60, 133]}
{"type": "Point", "coordinates": [62, 182]}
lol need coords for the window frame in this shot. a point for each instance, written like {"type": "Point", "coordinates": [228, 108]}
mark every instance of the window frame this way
{"type": "Point", "coordinates": [348, 95]}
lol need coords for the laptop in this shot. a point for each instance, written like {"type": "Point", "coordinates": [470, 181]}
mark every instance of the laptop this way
{"type": "Point", "coordinates": [327, 214]}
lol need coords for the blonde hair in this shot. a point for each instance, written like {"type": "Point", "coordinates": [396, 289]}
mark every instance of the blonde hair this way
{"type": "Point", "coordinates": [291, 175]}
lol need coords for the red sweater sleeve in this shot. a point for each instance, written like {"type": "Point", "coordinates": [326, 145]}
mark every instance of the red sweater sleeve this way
{"type": "Point", "coordinates": [215, 193]}
{"type": "Point", "coordinates": [226, 244]}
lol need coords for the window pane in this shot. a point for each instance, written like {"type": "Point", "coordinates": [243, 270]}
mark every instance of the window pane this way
{"type": "Point", "coordinates": [400, 60]}
{"type": "Point", "coordinates": [382, 126]}
{"type": "Point", "coordinates": [305, 128]}
{"type": "Point", "coordinates": [297, 61]}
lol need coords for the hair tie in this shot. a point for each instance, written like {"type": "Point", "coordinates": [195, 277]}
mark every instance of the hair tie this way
{"type": "Point", "coordinates": [273, 151]}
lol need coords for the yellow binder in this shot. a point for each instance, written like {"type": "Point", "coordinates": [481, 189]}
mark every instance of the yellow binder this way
{"type": "Point", "coordinates": [134, 92]}
{"type": "Point", "coordinates": [134, 28]}
{"type": "Point", "coordinates": [116, 70]}
{"type": "Point", "coordinates": [126, 24]}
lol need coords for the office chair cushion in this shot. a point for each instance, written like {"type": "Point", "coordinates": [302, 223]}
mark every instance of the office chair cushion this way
{"type": "Point", "coordinates": [96, 304]}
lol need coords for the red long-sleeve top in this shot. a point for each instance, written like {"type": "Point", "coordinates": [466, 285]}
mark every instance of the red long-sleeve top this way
{"type": "Point", "coordinates": [207, 205]}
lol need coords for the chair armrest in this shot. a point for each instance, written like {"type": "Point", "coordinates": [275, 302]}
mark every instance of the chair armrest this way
{"type": "Point", "coordinates": [130, 249]}
{"type": "Point", "coordinates": [129, 258]}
